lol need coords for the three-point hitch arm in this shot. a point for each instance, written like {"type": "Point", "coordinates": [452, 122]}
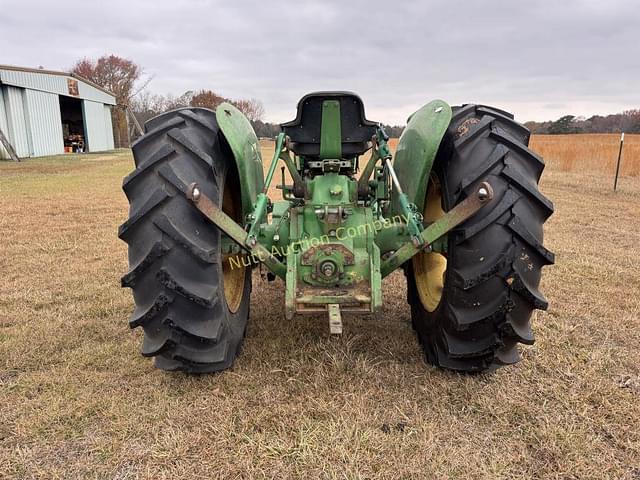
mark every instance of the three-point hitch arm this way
{"type": "Point", "coordinates": [420, 238]}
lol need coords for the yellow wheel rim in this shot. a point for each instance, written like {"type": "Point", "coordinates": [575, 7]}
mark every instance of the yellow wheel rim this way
{"type": "Point", "coordinates": [232, 277]}
{"type": "Point", "coordinates": [429, 268]}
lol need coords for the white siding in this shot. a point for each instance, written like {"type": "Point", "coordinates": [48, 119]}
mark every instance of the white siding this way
{"type": "Point", "coordinates": [16, 119]}
{"type": "Point", "coordinates": [45, 123]}
{"type": "Point", "coordinates": [30, 112]}
{"type": "Point", "coordinates": [3, 123]}
{"type": "Point", "coordinates": [95, 127]}
{"type": "Point", "coordinates": [108, 126]}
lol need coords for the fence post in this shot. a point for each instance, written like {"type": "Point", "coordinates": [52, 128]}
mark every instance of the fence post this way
{"type": "Point", "coordinates": [615, 182]}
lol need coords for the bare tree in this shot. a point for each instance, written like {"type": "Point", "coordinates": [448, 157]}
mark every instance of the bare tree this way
{"type": "Point", "coordinates": [147, 105]}
{"type": "Point", "coordinates": [252, 108]}
{"type": "Point", "coordinates": [207, 99]}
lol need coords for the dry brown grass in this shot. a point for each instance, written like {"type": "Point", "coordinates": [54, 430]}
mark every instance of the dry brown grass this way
{"type": "Point", "coordinates": [78, 401]}
{"type": "Point", "coordinates": [597, 153]}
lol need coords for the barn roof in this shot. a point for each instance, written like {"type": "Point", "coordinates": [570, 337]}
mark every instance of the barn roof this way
{"type": "Point", "coordinates": [32, 78]}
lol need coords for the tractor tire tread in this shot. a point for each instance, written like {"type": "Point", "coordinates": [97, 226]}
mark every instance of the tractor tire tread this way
{"type": "Point", "coordinates": [495, 257]}
{"type": "Point", "coordinates": [174, 251]}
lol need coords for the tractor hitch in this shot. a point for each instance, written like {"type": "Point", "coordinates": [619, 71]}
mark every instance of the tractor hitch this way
{"type": "Point", "coordinates": [318, 281]}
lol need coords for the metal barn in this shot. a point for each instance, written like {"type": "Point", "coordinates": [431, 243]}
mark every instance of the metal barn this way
{"type": "Point", "coordinates": [45, 112]}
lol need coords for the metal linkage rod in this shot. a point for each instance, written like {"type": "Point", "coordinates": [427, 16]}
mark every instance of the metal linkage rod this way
{"type": "Point", "coordinates": [234, 231]}
{"type": "Point", "coordinates": [446, 223]}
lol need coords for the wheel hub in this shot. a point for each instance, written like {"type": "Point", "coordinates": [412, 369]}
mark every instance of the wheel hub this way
{"type": "Point", "coordinates": [233, 277]}
{"type": "Point", "coordinates": [429, 268]}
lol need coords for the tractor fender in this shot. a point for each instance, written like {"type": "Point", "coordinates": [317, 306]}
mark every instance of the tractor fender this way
{"type": "Point", "coordinates": [244, 145]}
{"type": "Point", "coordinates": [416, 151]}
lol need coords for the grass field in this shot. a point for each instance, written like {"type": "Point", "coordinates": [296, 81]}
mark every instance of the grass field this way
{"type": "Point", "coordinates": [589, 152]}
{"type": "Point", "coordinates": [78, 401]}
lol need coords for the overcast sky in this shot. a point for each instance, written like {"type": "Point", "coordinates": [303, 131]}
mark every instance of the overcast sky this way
{"type": "Point", "coordinates": [539, 59]}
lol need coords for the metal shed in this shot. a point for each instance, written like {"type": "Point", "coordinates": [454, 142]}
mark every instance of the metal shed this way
{"type": "Point", "coordinates": [44, 111]}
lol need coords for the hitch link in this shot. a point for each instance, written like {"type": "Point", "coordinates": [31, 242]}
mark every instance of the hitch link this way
{"type": "Point", "coordinates": [454, 217]}
{"type": "Point", "coordinates": [228, 225]}
{"type": "Point", "coordinates": [414, 219]}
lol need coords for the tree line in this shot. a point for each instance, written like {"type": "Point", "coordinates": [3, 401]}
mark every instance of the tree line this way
{"type": "Point", "coordinates": [627, 121]}
{"type": "Point", "coordinates": [147, 105]}
{"type": "Point", "coordinates": [126, 80]}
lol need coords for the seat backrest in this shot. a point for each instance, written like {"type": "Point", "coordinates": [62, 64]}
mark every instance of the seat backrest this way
{"type": "Point", "coordinates": [330, 125]}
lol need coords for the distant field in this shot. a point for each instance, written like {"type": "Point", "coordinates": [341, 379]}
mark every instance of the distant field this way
{"type": "Point", "coordinates": [595, 153]}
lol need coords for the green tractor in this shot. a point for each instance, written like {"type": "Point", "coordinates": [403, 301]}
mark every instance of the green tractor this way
{"type": "Point", "coordinates": [458, 210]}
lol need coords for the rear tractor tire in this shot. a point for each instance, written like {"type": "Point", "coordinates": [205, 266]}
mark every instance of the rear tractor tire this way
{"type": "Point", "coordinates": [471, 306]}
{"type": "Point", "coordinates": [192, 307]}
